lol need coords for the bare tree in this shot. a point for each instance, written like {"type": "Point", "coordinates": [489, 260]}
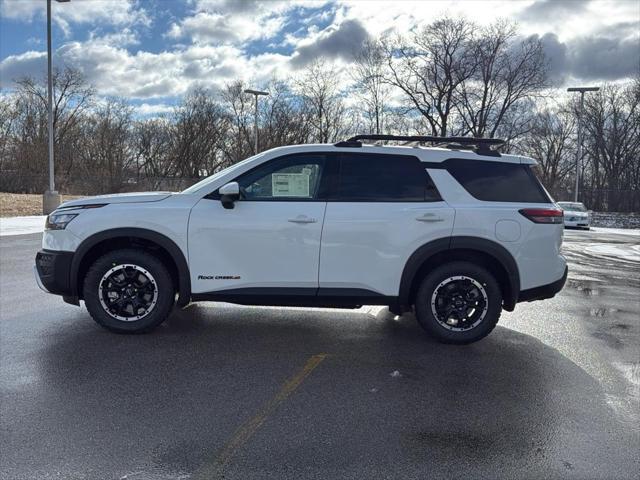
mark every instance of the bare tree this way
{"type": "Point", "coordinates": [8, 116]}
{"type": "Point", "coordinates": [285, 120]}
{"type": "Point", "coordinates": [550, 141]}
{"type": "Point", "coordinates": [430, 65]}
{"type": "Point", "coordinates": [373, 91]}
{"type": "Point", "coordinates": [508, 71]}
{"type": "Point", "coordinates": [239, 106]}
{"type": "Point", "coordinates": [612, 147]}
{"type": "Point", "coordinates": [105, 154]}
{"type": "Point", "coordinates": [319, 89]}
{"type": "Point", "coordinates": [199, 126]}
{"type": "Point", "coordinates": [152, 144]}
{"type": "Point", "coordinates": [72, 96]}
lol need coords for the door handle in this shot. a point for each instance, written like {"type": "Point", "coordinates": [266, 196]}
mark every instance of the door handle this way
{"type": "Point", "coordinates": [430, 218]}
{"type": "Point", "coordinates": [302, 219]}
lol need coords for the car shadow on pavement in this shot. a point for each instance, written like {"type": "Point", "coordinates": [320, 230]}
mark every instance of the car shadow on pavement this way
{"type": "Point", "coordinates": [386, 399]}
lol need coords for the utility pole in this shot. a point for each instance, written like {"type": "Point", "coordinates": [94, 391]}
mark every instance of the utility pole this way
{"type": "Point", "coordinates": [580, 115]}
{"type": "Point", "coordinates": [51, 198]}
{"type": "Point", "coordinates": [256, 93]}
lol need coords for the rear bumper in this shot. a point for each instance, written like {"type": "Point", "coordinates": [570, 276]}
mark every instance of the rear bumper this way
{"type": "Point", "coordinates": [578, 222]}
{"type": "Point", "coordinates": [53, 271]}
{"type": "Point", "coordinates": [544, 291]}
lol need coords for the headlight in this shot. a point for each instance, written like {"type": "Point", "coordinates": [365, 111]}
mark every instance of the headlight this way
{"type": "Point", "coordinates": [59, 221]}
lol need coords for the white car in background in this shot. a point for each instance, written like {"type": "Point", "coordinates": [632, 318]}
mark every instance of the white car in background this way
{"type": "Point", "coordinates": [575, 215]}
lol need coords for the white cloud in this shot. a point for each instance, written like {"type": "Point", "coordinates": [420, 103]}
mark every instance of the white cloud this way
{"type": "Point", "coordinates": [116, 71]}
{"type": "Point", "coordinates": [216, 28]}
{"type": "Point", "coordinates": [214, 35]}
{"type": "Point", "coordinates": [27, 64]}
{"type": "Point", "coordinates": [99, 12]}
{"type": "Point", "coordinates": [153, 110]}
{"type": "Point", "coordinates": [236, 21]}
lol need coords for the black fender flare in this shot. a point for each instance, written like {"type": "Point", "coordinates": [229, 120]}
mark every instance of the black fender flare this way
{"type": "Point", "coordinates": [184, 278]}
{"type": "Point", "coordinates": [481, 245]}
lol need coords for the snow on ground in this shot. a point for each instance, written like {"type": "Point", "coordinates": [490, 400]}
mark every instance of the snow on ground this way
{"type": "Point", "coordinates": [624, 252]}
{"type": "Point", "coordinates": [21, 225]}
{"type": "Point", "coordinates": [619, 231]}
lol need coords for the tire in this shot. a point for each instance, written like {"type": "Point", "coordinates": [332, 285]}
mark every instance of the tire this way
{"type": "Point", "coordinates": [466, 288]}
{"type": "Point", "coordinates": [123, 280]}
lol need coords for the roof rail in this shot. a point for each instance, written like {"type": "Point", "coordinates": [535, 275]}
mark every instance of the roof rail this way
{"type": "Point", "coordinates": [481, 146]}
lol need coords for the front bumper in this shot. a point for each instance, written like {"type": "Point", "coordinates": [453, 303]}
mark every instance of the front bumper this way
{"type": "Point", "coordinates": [53, 271]}
{"type": "Point", "coordinates": [544, 291]}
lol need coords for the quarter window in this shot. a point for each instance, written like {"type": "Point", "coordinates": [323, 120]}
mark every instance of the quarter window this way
{"type": "Point", "coordinates": [497, 181]}
{"type": "Point", "coordinates": [384, 178]}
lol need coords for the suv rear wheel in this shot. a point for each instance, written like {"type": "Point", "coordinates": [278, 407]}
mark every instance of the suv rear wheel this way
{"type": "Point", "coordinates": [128, 291]}
{"type": "Point", "coordinates": [459, 302]}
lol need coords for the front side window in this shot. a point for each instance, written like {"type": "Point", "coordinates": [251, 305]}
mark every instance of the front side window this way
{"type": "Point", "coordinates": [295, 177]}
{"type": "Point", "coordinates": [384, 178]}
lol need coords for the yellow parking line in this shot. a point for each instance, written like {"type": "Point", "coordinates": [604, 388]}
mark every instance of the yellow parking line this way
{"type": "Point", "coordinates": [246, 431]}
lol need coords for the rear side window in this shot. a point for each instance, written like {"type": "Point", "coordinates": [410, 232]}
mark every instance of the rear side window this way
{"type": "Point", "coordinates": [497, 181]}
{"type": "Point", "coordinates": [384, 178]}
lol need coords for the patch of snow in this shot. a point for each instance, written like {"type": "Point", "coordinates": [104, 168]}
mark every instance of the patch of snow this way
{"type": "Point", "coordinates": [627, 405]}
{"type": "Point", "coordinates": [625, 252]}
{"type": "Point", "coordinates": [22, 225]}
{"type": "Point", "coordinates": [619, 231]}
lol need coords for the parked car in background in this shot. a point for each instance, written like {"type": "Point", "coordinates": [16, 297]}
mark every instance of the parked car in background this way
{"type": "Point", "coordinates": [575, 215]}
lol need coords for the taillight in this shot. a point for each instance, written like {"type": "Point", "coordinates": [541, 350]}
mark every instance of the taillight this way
{"type": "Point", "coordinates": [543, 215]}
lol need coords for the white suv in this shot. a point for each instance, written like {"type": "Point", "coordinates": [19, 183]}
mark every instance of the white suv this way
{"type": "Point", "coordinates": [456, 233]}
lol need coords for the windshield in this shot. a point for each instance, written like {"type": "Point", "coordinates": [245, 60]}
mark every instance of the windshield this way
{"type": "Point", "coordinates": [206, 181]}
{"type": "Point", "coordinates": [572, 206]}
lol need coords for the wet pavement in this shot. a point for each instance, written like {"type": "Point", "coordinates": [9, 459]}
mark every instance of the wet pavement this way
{"type": "Point", "coordinates": [221, 391]}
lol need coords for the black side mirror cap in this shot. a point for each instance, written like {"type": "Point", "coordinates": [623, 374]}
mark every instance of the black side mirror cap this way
{"type": "Point", "coordinates": [229, 201]}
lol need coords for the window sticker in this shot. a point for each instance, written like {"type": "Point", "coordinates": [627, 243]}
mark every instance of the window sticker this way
{"type": "Point", "coordinates": [290, 184]}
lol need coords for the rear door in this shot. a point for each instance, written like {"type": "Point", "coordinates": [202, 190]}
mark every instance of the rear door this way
{"type": "Point", "coordinates": [383, 208]}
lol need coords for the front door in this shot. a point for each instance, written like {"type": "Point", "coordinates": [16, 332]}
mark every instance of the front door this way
{"type": "Point", "coordinates": [270, 239]}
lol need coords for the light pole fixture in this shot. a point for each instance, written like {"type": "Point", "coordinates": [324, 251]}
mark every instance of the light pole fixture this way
{"type": "Point", "coordinates": [256, 93]}
{"type": "Point", "coordinates": [51, 198]}
{"type": "Point", "coordinates": [580, 115]}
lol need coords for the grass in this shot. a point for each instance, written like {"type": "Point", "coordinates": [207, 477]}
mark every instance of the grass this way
{"type": "Point", "coordinates": [23, 204]}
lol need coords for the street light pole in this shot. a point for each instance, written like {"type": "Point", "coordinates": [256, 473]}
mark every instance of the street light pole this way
{"type": "Point", "coordinates": [256, 93]}
{"type": "Point", "coordinates": [51, 198]}
{"type": "Point", "coordinates": [580, 115]}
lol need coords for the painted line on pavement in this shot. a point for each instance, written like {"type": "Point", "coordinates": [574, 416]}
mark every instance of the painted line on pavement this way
{"type": "Point", "coordinates": [250, 427]}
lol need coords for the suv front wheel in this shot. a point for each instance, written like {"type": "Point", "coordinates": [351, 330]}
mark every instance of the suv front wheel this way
{"type": "Point", "coordinates": [459, 302]}
{"type": "Point", "coordinates": [128, 291]}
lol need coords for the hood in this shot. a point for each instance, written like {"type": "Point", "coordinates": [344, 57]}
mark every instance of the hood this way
{"type": "Point", "coordinates": [135, 197]}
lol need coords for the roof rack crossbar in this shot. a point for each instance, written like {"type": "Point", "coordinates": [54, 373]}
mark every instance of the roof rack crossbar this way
{"type": "Point", "coordinates": [481, 145]}
{"type": "Point", "coordinates": [429, 139]}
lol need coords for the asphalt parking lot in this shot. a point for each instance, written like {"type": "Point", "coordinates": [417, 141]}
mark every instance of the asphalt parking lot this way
{"type": "Point", "coordinates": [221, 391]}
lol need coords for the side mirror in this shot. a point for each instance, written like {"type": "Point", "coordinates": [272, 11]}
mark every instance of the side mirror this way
{"type": "Point", "coordinates": [229, 193]}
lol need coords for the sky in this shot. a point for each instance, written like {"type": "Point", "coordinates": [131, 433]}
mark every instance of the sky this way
{"type": "Point", "coordinates": [152, 52]}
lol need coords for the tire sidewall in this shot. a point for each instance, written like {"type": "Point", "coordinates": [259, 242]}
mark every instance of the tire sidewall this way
{"type": "Point", "coordinates": [166, 291]}
{"type": "Point", "coordinates": [423, 302]}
